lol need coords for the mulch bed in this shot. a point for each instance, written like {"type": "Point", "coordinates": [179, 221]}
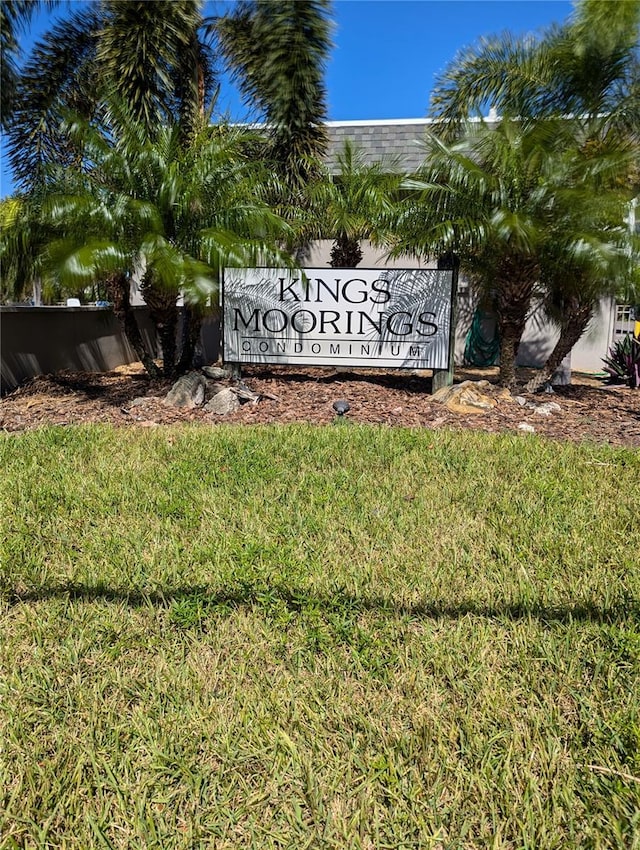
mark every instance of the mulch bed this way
{"type": "Point", "coordinates": [590, 411]}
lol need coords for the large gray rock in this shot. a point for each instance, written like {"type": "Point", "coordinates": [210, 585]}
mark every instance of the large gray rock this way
{"type": "Point", "coordinates": [226, 401]}
{"type": "Point", "coordinates": [188, 391]}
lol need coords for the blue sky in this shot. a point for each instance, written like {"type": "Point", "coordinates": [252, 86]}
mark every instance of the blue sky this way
{"type": "Point", "coordinates": [387, 53]}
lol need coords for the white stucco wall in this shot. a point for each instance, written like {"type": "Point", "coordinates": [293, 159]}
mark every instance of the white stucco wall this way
{"type": "Point", "coordinates": [588, 352]}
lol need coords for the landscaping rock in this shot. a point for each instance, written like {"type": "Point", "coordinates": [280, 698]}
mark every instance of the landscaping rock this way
{"type": "Point", "coordinates": [141, 400]}
{"type": "Point", "coordinates": [224, 402]}
{"type": "Point", "coordinates": [528, 429]}
{"type": "Point", "coordinates": [188, 391]}
{"type": "Point", "coordinates": [217, 373]}
{"type": "Point", "coordinates": [466, 397]}
{"type": "Point", "coordinates": [546, 409]}
{"type": "Point", "coordinates": [245, 393]}
{"type": "Point", "coordinates": [213, 387]}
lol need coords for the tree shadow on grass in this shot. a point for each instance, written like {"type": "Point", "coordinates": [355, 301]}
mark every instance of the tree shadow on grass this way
{"type": "Point", "coordinates": [305, 600]}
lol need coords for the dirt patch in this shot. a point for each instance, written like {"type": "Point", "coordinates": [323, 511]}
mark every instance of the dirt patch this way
{"type": "Point", "coordinates": [589, 411]}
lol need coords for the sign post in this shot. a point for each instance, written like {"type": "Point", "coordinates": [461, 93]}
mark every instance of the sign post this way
{"type": "Point", "coordinates": [444, 377]}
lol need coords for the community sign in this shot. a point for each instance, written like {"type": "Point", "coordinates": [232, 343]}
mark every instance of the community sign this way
{"type": "Point", "coordinates": [398, 318]}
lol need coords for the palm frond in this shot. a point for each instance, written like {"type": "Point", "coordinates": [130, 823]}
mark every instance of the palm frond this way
{"type": "Point", "coordinates": [78, 263]}
{"type": "Point", "coordinates": [277, 51]}
{"type": "Point", "coordinates": [57, 77]}
{"type": "Point", "coordinates": [140, 48]}
{"type": "Point", "coordinates": [15, 16]}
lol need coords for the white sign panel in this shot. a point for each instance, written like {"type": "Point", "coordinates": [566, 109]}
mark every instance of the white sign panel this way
{"type": "Point", "coordinates": [399, 318]}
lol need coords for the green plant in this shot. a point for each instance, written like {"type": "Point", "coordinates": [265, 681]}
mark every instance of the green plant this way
{"type": "Point", "coordinates": [515, 202]}
{"type": "Point", "coordinates": [587, 68]}
{"type": "Point", "coordinates": [623, 362]}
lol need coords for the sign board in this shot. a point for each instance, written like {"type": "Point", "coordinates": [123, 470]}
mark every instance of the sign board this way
{"type": "Point", "coordinates": [399, 318]}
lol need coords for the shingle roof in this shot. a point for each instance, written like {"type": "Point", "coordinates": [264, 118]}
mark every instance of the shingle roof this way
{"type": "Point", "coordinates": [378, 140]}
{"type": "Point", "coordinates": [397, 139]}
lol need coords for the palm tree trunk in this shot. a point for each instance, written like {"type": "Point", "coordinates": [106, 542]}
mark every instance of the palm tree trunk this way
{"type": "Point", "coordinates": [573, 326]}
{"type": "Point", "coordinates": [517, 277]}
{"type": "Point", "coordinates": [162, 304]}
{"type": "Point", "coordinates": [191, 325]}
{"type": "Point", "coordinates": [118, 293]}
{"type": "Point", "coordinates": [167, 331]}
{"type": "Point", "coordinates": [509, 343]}
{"type": "Point", "coordinates": [346, 253]}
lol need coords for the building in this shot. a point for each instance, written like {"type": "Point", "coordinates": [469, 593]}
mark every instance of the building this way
{"type": "Point", "coordinates": [93, 345]}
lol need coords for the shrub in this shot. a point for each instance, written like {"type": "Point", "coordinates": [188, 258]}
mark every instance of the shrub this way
{"type": "Point", "coordinates": [623, 362]}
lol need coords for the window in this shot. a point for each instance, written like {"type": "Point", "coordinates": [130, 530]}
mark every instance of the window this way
{"type": "Point", "coordinates": [624, 321]}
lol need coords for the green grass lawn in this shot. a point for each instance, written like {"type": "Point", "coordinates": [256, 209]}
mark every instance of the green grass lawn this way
{"type": "Point", "coordinates": [299, 637]}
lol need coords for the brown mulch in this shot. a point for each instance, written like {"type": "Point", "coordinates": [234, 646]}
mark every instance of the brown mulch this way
{"type": "Point", "coordinates": [590, 411]}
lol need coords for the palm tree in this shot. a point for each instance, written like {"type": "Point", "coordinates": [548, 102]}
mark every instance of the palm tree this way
{"type": "Point", "coordinates": [114, 60]}
{"type": "Point", "coordinates": [575, 276]}
{"type": "Point", "coordinates": [504, 200]}
{"type": "Point", "coordinates": [587, 69]}
{"type": "Point", "coordinates": [147, 54]}
{"type": "Point", "coordinates": [590, 252]}
{"type": "Point", "coordinates": [354, 201]}
{"type": "Point", "coordinates": [105, 60]}
{"type": "Point", "coordinates": [164, 213]}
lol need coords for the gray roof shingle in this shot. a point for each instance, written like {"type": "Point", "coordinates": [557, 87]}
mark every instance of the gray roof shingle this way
{"type": "Point", "coordinates": [381, 140]}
